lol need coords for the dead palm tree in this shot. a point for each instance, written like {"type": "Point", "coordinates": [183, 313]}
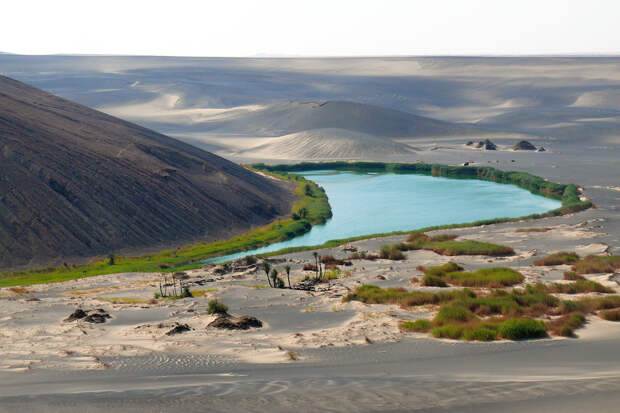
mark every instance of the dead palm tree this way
{"type": "Point", "coordinates": [267, 268]}
{"type": "Point", "coordinates": [288, 274]}
{"type": "Point", "coordinates": [316, 263]}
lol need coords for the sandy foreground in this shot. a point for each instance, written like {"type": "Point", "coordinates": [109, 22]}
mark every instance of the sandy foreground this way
{"type": "Point", "coordinates": [309, 340]}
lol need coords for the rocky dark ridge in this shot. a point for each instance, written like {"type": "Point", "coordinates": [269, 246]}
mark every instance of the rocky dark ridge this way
{"type": "Point", "coordinates": [75, 182]}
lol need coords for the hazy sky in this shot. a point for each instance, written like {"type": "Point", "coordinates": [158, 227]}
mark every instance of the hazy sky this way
{"type": "Point", "coordinates": [317, 27]}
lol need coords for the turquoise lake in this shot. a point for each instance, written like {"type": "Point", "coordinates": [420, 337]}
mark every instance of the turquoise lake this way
{"type": "Point", "coordinates": [371, 203]}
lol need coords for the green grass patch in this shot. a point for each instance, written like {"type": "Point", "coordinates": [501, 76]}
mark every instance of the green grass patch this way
{"type": "Point", "coordinates": [558, 258]}
{"type": "Point", "coordinates": [480, 333]}
{"type": "Point", "coordinates": [522, 329]}
{"type": "Point", "coordinates": [391, 252]}
{"type": "Point", "coordinates": [596, 264]}
{"type": "Point", "coordinates": [372, 294]}
{"type": "Point", "coordinates": [576, 287]}
{"type": "Point", "coordinates": [572, 276]}
{"type": "Point", "coordinates": [566, 325]}
{"type": "Point", "coordinates": [418, 326]}
{"type": "Point", "coordinates": [453, 314]}
{"type": "Point", "coordinates": [451, 273]}
{"type": "Point", "coordinates": [202, 293]}
{"type": "Point", "coordinates": [468, 247]}
{"type": "Point", "coordinates": [452, 331]}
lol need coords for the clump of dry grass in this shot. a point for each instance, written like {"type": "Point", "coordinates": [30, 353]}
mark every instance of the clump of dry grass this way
{"type": "Point", "coordinates": [567, 324]}
{"type": "Point", "coordinates": [596, 264]}
{"type": "Point", "coordinates": [572, 276]}
{"type": "Point", "coordinates": [577, 287]}
{"type": "Point", "coordinates": [558, 258]}
{"type": "Point", "coordinates": [610, 315]}
{"type": "Point", "coordinates": [540, 229]}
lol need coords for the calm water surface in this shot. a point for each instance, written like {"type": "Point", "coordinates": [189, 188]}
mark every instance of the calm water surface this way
{"type": "Point", "coordinates": [370, 203]}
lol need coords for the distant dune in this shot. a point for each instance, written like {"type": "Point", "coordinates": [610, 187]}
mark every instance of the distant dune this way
{"type": "Point", "coordinates": [77, 182]}
{"type": "Point", "coordinates": [326, 144]}
{"type": "Point", "coordinates": [291, 117]}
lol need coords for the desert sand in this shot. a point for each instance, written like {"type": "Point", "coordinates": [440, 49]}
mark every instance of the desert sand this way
{"type": "Point", "coordinates": [350, 357]}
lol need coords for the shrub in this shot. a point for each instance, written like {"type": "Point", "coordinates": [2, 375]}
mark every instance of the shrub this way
{"type": "Point", "coordinates": [522, 328]}
{"type": "Point", "coordinates": [433, 281]}
{"type": "Point", "coordinates": [480, 334]}
{"type": "Point", "coordinates": [468, 247]}
{"type": "Point", "coordinates": [215, 307]}
{"type": "Point", "coordinates": [453, 313]}
{"type": "Point", "coordinates": [589, 305]}
{"type": "Point", "coordinates": [567, 324]}
{"type": "Point", "coordinates": [420, 326]}
{"type": "Point", "coordinates": [558, 258]}
{"type": "Point", "coordinates": [610, 315]}
{"type": "Point", "coordinates": [572, 276]}
{"type": "Point", "coordinates": [576, 287]}
{"type": "Point", "coordinates": [186, 293]}
{"type": "Point", "coordinates": [595, 264]}
{"type": "Point", "coordinates": [391, 252]}
{"type": "Point", "coordinates": [371, 294]}
{"type": "Point", "coordinates": [485, 277]}
{"type": "Point", "coordinates": [332, 274]}
{"type": "Point", "coordinates": [441, 270]}
{"type": "Point", "coordinates": [449, 331]}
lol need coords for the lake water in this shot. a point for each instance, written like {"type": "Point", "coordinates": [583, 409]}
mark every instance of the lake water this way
{"type": "Point", "coordinates": [370, 203]}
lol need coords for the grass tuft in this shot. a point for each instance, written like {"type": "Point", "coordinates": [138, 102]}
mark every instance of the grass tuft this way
{"type": "Point", "coordinates": [452, 273]}
{"type": "Point", "coordinates": [610, 315]}
{"type": "Point", "coordinates": [567, 324]}
{"type": "Point", "coordinates": [216, 307]}
{"type": "Point", "coordinates": [418, 326]}
{"type": "Point", "coordinates": [522, 328]}
{"type": "Point", "coordinates": [596, 264]}
{"type": "Point", "coordinates": [558, 258]}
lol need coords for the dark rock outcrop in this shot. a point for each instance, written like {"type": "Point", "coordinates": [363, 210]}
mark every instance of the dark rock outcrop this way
{"type": "Point", "coordinates": [75, 182]}
{"type": "Point", "coordinates": [236, 323]}
{"type": "Point", "coordinates": [178, 329]}
{"type": "Point", "coordinates": [524, 146]}
{"type": "Point", "coordinates": [97, 316]}
{"type": "Point", "coordinates": [489, 146]}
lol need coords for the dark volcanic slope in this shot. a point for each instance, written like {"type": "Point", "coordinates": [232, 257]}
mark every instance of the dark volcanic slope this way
{"type": "Point", "coordinates": [77, 182]}
{"type": "Point", "coordinates": [291, 117]}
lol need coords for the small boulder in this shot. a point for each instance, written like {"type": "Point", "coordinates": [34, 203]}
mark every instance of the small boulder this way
{"type": "Point", "coordinates": [76, 315]}
{"type": "Point", "coordinates": [541, 149]}
{"type": "Point", "coordinates": [469, 143]}
{"type": "Point", "coordinates": [97, 318]}
{"type": "Point", "coordinates": [524, 146]}
{"type": "Point", "coordinates": [178, 329]}
{"type": "Point", "coordinates": [236, 323]}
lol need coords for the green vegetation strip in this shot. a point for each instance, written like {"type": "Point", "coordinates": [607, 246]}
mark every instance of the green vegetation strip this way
{"type": "Point", "coordinates": [312, 208]}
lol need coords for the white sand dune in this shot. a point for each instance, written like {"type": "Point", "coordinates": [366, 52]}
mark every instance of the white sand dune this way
{"type": "Point", "coordinates": [326, 144]}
